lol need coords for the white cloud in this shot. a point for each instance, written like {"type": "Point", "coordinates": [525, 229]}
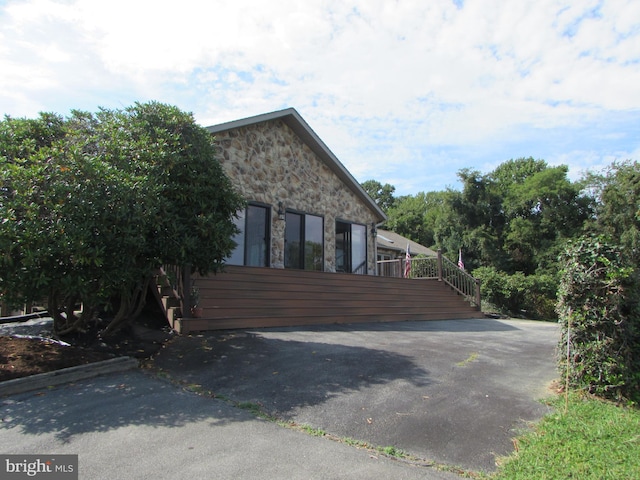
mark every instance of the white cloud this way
{"type": "Point", "coordinates": [384, 83]}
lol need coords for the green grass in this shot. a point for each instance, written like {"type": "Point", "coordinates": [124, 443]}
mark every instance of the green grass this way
{"type": "Point", "coordinates": [392, 451]}
{"type": "Point", "coordinates": [314, 432]}
{"type": "Point", "coordinates": [593, 440]}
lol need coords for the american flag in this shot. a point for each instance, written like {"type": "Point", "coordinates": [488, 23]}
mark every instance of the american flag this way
{"type": "Point", "coordinates": [407, 263]}
{"type": "Point", "coordinates": [460, 262]}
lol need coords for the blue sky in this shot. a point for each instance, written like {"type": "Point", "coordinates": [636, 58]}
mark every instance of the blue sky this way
{"type": "Point", "coordinates": [404, 92]}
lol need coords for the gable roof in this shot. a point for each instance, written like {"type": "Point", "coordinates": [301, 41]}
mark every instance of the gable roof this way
{"type": "Point", "coordinates": [296, 123]}
{"type": "Point", "coordinates": [393, 241]}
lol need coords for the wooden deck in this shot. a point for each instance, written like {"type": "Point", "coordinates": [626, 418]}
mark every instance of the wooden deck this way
{"type": "Point", "coordinates": [250, 297]}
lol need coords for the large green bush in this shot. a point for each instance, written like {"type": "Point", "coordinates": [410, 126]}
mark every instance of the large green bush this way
{"type": "Point", "coordinates": [532, 296]}
{"type": "Point", "coordinates": [90, 205]}
{"type": "Point", "coordinates": [599, 316]}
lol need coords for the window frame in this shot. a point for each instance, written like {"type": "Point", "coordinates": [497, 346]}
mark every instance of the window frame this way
{"type": "Point", "coordinates": [246, 245]}
{"type": "Point", "coordinates": [301, 263]}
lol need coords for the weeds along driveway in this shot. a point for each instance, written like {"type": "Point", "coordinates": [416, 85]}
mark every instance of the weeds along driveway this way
{"type": "Point", "coordinates": [454, 392]}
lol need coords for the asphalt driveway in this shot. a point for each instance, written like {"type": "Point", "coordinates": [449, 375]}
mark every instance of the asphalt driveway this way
{"type": "Point", "coordinates": [453, 392]}
{"type": "Point", "coordinates": [135, 426]}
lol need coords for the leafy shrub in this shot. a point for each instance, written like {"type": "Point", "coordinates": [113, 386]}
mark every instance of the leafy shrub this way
{"type": "Point", "coordinates": [533, 296]}
{"type": "Point", "coordinates": [599, 316]}
{"type": "Point", "coordinates": [91, 205]}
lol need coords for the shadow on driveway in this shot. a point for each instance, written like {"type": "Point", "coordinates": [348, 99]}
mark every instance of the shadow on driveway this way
{"type": "Point", "coordinates": [136, 426]}
{"type": "Point", "coordinates": [105, 404]}
{"type": "Point", "coordinates": [283, 375]}
{"type": "Point", "coordinates": [455, 392]}
{"type": "Point", "coordinates": [242, 366]}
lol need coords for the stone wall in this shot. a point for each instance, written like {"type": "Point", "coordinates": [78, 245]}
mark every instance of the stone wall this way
{"type": "Point", "coordinates": [269, 163]}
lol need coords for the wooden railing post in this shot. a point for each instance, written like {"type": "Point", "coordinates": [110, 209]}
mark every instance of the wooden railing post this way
{"type": "Point", "coordinates": [478, 298]}
{"type": "Point", "coordinates": [186, 294]}
{"type": "Point", "coordinates": [439, 265]}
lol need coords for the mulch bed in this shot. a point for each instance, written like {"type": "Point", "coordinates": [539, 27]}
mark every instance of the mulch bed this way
{"type": "Point", "coordinates": [20, 357]}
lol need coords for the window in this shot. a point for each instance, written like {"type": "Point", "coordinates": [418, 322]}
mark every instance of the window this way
{"type": "Point", "coordinates": [304, 241]}
{"type": "Point", "coordinates": [253, 241]}
{"type": "Point", "coordinates": [351, 247]}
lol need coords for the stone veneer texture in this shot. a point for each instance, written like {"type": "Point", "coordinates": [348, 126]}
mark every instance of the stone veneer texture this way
{"type": "Point", "coordinates": [268, 163]}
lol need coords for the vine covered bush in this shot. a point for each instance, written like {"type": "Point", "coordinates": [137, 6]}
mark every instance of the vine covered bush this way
{"type": "Point", "coordinates": [599, 317]}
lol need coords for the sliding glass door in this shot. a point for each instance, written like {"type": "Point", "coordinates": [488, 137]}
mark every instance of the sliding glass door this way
{"type": "Point", "coordinates": [304, 241]}
{"type": "Point", "coordinates": [351, 247]}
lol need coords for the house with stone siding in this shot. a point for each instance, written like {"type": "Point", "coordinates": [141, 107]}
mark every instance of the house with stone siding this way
{"type": "Point", "coordinates": [305, 210]}
{"type": "Point", "coordinates": [306, 247]}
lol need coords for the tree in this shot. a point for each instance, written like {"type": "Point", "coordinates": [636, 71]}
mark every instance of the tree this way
{"type": "Point", "coordinates": [381, 194]}
{"type": "Point", "coordinates": [513, 222]}
{"type": "Point", "coordinates": [480, 213]}
{"type": "Point", "coordinates": [515, 172]}
{"type": "Point", "coordinates": [407, 218]}
{"type": "Point", "coordinates": [517, 217]}
{"type": "Point", "coordinates": [440, 223]}
{"type": "Point", "coordinates": [90, 208]}
{"type": "Point", "coordinates": [542, 211]}
{"type": "Point", "coordinates": [617, 205]}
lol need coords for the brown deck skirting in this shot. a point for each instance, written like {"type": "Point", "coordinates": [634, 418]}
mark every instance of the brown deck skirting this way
{"type": "Point", "coordinates": [250, 297]}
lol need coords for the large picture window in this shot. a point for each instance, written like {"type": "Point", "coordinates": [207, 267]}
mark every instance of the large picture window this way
{"type": "Point", "coordinates": [254, 238]}
{"type": "Point", "coordinates": [304, 241]}
{"type": "Point", "coordinates": [351, 247]}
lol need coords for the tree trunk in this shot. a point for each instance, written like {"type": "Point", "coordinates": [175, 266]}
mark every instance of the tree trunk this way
{"type": "Point", "coordinates": [131, 305]}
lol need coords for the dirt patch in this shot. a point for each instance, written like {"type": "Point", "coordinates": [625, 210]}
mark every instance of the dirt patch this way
{"type": "Point", "coordinates": [20, 357]}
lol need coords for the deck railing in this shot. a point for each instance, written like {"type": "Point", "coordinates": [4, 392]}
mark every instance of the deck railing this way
{"type": "Point", "coordinates": [438, 267]}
